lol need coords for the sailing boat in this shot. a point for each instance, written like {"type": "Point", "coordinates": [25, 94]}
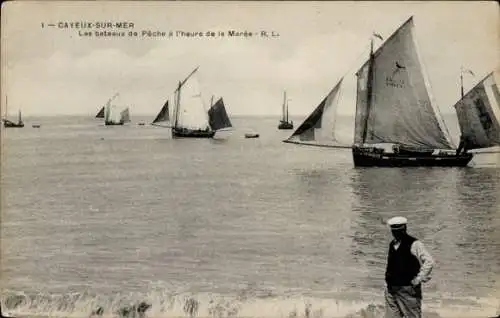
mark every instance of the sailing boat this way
{"type": "Point", "coordinates": [10, 124]}
{"type": "Point", "coordinates": [396, 123]}
{"type": "Point", "coordinates": [190, 118]}
{"type": "Point", "coordinates": [478, 114]}
{"type": "Point", "coordinates": [284, 123]}
{"type": "Point", "coordinates": [318, 129]}
{"type": "Point", "coordinates": [110, 115]}
{"type": "Point", "coordinates": [100, 113]}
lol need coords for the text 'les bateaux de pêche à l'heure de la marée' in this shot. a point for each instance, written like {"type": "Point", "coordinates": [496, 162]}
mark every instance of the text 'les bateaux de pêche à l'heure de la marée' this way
{"type": "Point", "coordinates": [127, 29]}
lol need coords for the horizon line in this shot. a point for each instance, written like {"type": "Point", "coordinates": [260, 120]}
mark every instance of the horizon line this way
{"type": "Point", "coordinates": [154, 114]}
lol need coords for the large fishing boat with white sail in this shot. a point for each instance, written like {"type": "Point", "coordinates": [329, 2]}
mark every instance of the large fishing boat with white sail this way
{"type": "Point", "coordinates": [190, 119]}
{"type": "Point", "coordinates": [397, 122]}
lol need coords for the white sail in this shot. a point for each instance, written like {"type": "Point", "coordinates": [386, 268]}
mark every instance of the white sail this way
{"type": "Point", "coordinates": [107, 112]}
{"type": "Point", "coordinates": [318, 129]}
{"type": "Point", "coordinates": [192, 113]}
{"type": "Point", "coordinates": [400, 109]}
{"type": "Point", "coordinates": [284, 110]}
{"type": "Point", "coordinates": [479, 114]}
{"type": "Point", "coordinates": [114, 112]}
{"type": "Point", "coordinates": [112, 115]}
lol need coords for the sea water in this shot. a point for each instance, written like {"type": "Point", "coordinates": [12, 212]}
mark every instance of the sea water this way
{"type": "Point", "coordinates": [230, 227]}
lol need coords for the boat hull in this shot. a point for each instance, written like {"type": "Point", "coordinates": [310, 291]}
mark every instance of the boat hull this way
{"type": "Point", "coordinates": [110, 123]}
{"type": "Point", "coordinates": [188, 133]}
{"type": "Point", "coordinates": [251, 135]}
{"type": "Point", "coordinates": [10, 124]}
{"type": "Point", "coordinates": [369, 157]}
{"type": "Point", "coordinates": [285, 125]}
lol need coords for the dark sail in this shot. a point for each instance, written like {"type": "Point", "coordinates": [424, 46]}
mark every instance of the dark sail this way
{"type": "Point", "coordinates": [217, 116]}
{"type": "Point", "coordinates": [478, 113]}
{"type": "Point", "coordinates": [306, 130]}
{"type": "Point", "coordinates": [163, 115]}
{"type": "Point", "coordinates": [318, 129]}
{"type": "Point", "coordinates": [100, 114]}
{"type": "Point", "coordinates": [125, 115]}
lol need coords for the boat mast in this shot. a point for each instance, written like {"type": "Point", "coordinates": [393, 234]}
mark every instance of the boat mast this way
{"type": "Point", "coordinates": [177, 104]}
{"type": "Point", "coordinates": [462, 80]}
{"type": "Point", "coordinates": [178, 91]}
{"type": "Point", "coordinates": [369, 91]}
{"type": "Point", "coordinates": [114, 96]}
{"type": "Point", "coordinates": [283, 112]}
{"type": "Point", "coordinates": [461, 83]}
{"type": "Point", "coordinates": [287, 110]}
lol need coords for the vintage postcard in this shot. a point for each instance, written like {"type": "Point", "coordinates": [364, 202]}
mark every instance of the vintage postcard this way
{"type": "Point", "coordinates": [250, 159]}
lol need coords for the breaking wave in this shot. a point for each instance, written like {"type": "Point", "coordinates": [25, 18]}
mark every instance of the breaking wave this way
{"type": "Point", "coordinates": [248, 303]}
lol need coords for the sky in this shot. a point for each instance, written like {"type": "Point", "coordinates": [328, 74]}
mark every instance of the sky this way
{"type": "Point", "coordinates": [55, 71]}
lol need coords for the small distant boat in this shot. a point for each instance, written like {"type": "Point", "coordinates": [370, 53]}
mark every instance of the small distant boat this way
{"type": "Point", "coordinates": [35, 125]}
{"type": "Point", "coordinates": [110, 115]}
{"type": "Point", "coordinates": [251, 135]}
{"type": "Point", "coordinates": [284, 122]}
{"type": "Point", "coordinates": [140, 124]}
{"type": "Point", "coordinates": [100, 113]}
{"type": "Point", "coordinates": [10, 124]}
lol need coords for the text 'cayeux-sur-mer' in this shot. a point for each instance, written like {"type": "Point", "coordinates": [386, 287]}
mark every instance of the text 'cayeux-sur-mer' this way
{"type": "Point", "coordinates": [91, 25]}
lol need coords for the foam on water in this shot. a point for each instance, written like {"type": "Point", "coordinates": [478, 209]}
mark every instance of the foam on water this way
{"type": "Point", "coordinates": [165, 303]}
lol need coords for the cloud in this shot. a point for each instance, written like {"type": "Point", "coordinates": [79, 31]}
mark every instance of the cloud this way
{"type": "Point", "coordinates": [50, 72]}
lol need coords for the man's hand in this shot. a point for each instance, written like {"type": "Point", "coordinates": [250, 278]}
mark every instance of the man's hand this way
{"type": "Point", "coordinates": [415, 282]}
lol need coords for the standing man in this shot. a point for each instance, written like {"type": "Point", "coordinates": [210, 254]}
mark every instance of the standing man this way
{"type": "Point", "coordinates": [408, 266]}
